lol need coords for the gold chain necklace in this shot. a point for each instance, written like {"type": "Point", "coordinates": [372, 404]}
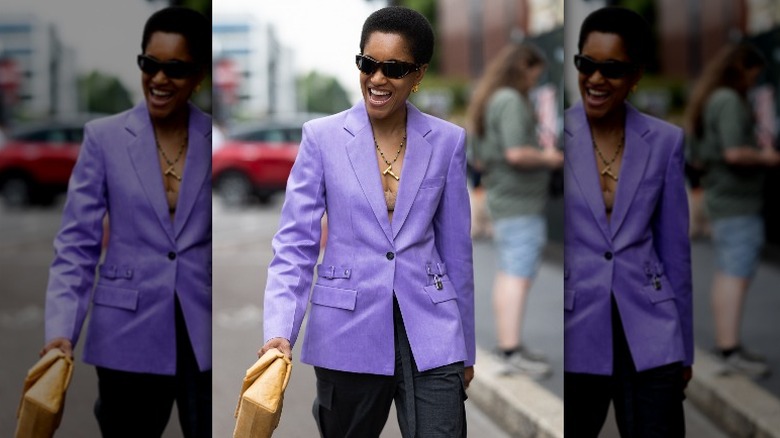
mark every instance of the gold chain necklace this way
{"type": "Point", "coordinates": [170, 171]}
{"type": "Point", "coordinates": [607, 171]}
{"type": "Point", "coordinates": [389, 170]}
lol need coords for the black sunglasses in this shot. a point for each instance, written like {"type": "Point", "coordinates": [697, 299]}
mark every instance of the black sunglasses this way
{"type": "Point", "coordinates": [391, 69]}
{"type": "Point", "coordinates": [172, 69]}
{"type": "Point", "coordinates": [608, 69]}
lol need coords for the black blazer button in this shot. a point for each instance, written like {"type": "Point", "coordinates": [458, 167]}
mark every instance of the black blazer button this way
{"type": "Point", "coordinates": [608, 255]}
{"type": "Point", "coordinates": [390, 256]}
{"type": "Point", "coordinates": [172, 255]}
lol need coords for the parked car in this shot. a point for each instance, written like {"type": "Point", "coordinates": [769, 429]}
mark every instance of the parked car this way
{"type": "Point", "coordinates": [37, 158]}
{"type": "Point", "coordinates": [256, 158]}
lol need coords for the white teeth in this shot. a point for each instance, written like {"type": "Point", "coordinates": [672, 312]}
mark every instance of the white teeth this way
{"type": "Point", "coordinates": [379, 93]}
{"type": "Point", "coordinates": [159, 93]}
{"type": "Point", "coordinates": [597, 93]}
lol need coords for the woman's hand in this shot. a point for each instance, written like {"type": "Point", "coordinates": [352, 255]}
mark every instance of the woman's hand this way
{"type": "Point", "coordinates": [468, 375]}
{"type": "Point", "coordinates": [687, 376]}
{"type": "Point", "coordinates": [281, 344]}
{"type": "Point", "coordinates": [61, 343]}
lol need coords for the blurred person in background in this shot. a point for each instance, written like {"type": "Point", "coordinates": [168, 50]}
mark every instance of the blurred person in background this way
{"type": "Point", "coordinates": [392, 308]}
{"type": "Point", "coordinates": [516, 175]}
{"type": "Point", "coordinates": [722, 133]}
{"type": "Point", "coordinates": [628, 332]}
{"type": "Point", "coordinates": [149, 334]}
{"type": "Point", "coordinates": [481, 225]}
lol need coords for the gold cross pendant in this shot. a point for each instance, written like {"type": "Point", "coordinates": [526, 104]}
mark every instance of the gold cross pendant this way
{"type": "Point", "coordinates": [608, 171]}
{"type": "Point", "coordinates": [172, 173]}
{"type": "Point", "coordinates": [389, 170]}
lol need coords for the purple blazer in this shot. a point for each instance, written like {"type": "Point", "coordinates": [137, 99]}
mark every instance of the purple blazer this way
{"type": "Point", "coordinates": [367, 258]}
{"type": "Point", "coordinates": [132, 324]}
{"type": "Point", "coordinates": [642, 254]}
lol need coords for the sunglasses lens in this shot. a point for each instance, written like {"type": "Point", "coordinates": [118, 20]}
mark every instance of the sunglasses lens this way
{"type": "Point", "coordinates": [172, 69]}
{"type": "Point", "coordinates": [614, 70]}
{"type": "Point", "coordinates": [609, 69]}
{"type": "Point", "coordinates": [391, 69]}
{"type": "Point", "coordinates": [148, 65]}
{"type": "Point", "coordinates": [584, 65]}
{"type": "Point", "coordinates": [177, 71]}
{"type": "Point", "coordinates": [395, 70]}
{"type": "Point", "coordinates": [366, 65]}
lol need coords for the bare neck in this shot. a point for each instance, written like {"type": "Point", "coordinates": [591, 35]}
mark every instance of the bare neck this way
{"type": "Point", "coordinates": [391, 126]}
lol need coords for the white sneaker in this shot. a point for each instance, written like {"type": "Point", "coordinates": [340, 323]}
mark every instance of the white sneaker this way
{"type": "Point", "coordinates": [744, 362]}
{"type": "Point", "coordinates": [523, 361]}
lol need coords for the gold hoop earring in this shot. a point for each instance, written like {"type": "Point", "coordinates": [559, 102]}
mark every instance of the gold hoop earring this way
{"type": "Point", "coordinates": [416, 87]}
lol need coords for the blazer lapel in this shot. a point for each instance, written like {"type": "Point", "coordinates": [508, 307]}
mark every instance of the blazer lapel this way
{"type": "Point", "coordinates": [196, 167]}
{"type": "Point", "coordinates": [637, 151]}
{"type": "Point", "coordinates": [362, 157]}
{"type": "Point", "coordinates": [581, 162]}
{"type": "Point", "coordinates": [143, 155]}
{"type": "Point", "coordinates": [418, 154]}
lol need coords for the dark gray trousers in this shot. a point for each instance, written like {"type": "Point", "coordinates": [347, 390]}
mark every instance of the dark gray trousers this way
{"type": "Point", "coordinates": [648, 404]}
{"type": "Point", "coordinates": [429, 404]}
{"type": "Point", "coordinates": [136, 405]}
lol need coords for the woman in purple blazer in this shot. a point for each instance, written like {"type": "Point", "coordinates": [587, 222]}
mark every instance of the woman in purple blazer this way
{"type": "Point", "coordinates": [627, 271]}
{"type": "Point", "coordinates": [392, 307]}
{"type": "Point", "coordinates": [149, 170]}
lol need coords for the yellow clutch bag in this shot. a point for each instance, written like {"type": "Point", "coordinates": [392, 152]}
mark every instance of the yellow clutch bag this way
{"type": "Point", "coordinates": [262, 393]}
{"type": "Point", "coordinates": [43, 398]}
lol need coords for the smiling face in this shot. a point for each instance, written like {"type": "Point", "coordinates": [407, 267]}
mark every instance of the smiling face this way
{"type": "Point", "coordinates": [603, 97]}
{"type": "Point", "coordinates": [386, 97]}
{"type": "Point", "coordinates": [167, 97]}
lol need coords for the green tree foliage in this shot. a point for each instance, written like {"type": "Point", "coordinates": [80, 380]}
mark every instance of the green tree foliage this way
{"type": "Point", "coordinates": [202, 6]}
{"type": "Point", "coordinates": [322, 93]}
{"type": "Point", "coordinates": [102, 93]}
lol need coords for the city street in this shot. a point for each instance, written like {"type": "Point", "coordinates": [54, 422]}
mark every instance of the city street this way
{"type": "Point", "coordinates": [241, 254]}
{"type": "Point", "coordinates": [25, 255]}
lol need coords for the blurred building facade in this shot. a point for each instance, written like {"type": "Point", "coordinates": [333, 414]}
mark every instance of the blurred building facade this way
{"type": "Point", "coordinates": [473, 31]}
{"type": "Point", "coordinates": [692, 31]}
{"type": "Point", "coordinates": [45, 67]}
{"type": "Point", "coordinates": [259, 77]}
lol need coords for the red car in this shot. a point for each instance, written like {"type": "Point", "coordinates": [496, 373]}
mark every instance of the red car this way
{"type": "Point", "coordinates": [255, 159]}
{"type": "Point", "coordinates": [36, 160]}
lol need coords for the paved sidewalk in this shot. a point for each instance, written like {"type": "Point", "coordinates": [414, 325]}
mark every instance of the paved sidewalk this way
{"type": "Point", "coordinates": [740, 406]}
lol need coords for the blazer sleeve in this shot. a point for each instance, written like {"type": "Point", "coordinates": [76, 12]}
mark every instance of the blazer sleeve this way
{"type": "Point", "coordinates": [672, 244]}
{"type": "Point", "coordinates": [296, 245]}
{"type": "Point", "coordinates": [77, 245]}
{"type": "Point", "coordinates": [452, 233]}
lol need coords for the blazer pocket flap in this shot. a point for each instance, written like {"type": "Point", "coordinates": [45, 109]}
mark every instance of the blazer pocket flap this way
{"type": "Point", "coordinates": [330, 272]}
{"type": "Point", "coordinates": [432, 183]}
{"type": "Point", "coordinates": [568, 299]}
{"type": "Point", "coordinates": [116, 297]}
{"type": "Point", "coordinates": [114, 271]}
{"type": "Point", "coordinates": [657, 294]}
{"type": "Point", "coordinates": [439, 268]}
{"type": "Point", "coordinates": [334, 297]}
{"type": "Point", "coordinates": [446, 293]}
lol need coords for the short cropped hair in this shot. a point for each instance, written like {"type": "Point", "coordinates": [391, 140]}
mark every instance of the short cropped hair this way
{"type": "Point", "coordinates": [190, 24]}
{"type": "Point", "coordinates": [625, 23]}
{"type": "Point", "coordinates": [410, 24]}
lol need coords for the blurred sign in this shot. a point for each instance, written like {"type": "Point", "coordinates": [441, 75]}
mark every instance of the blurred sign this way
{"type": "Point", "coordinates": [226, 78]}
{"type": "Point", "coordinates": [10, 77]}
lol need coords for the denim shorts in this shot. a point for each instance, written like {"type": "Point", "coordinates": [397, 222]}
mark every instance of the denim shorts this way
{"type": "Point", "coordinates": [738, 241]}
{"type": "Point", "coordinates": [520, 241]}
